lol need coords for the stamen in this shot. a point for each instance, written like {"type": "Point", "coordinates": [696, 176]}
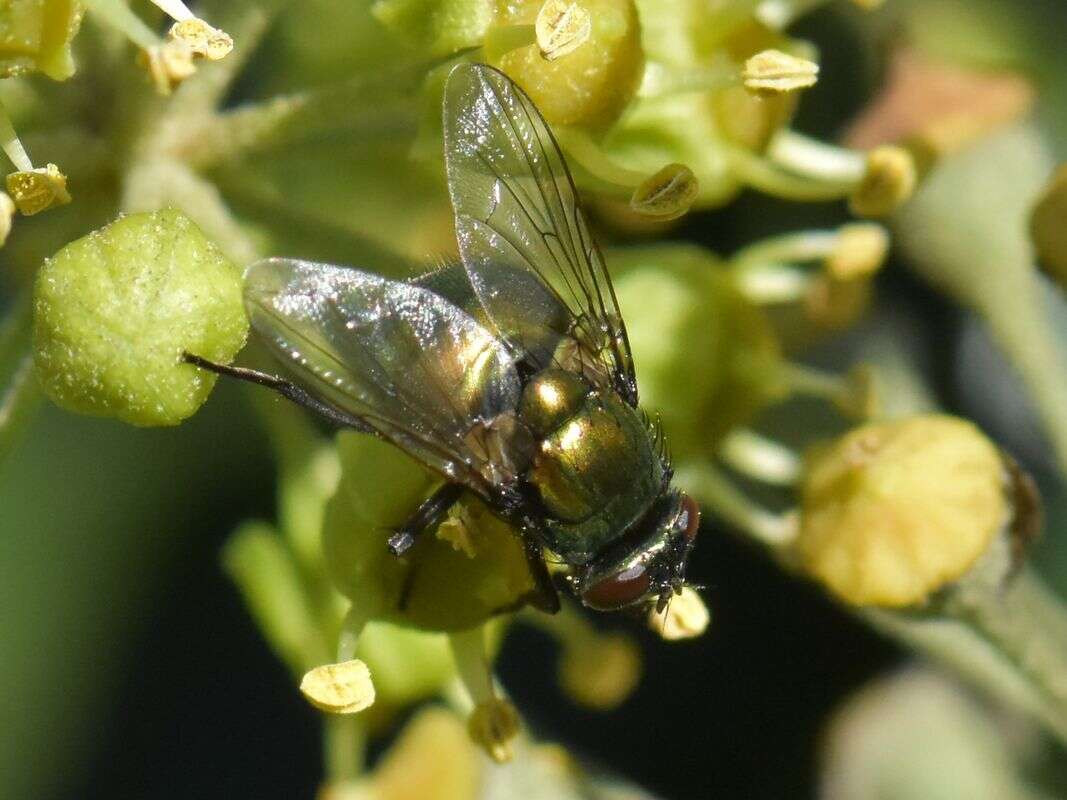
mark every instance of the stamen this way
{"type": "Point", "coordinates": [494, 722]}
{"type": "Point", "coordinates": [666, 194]}
{"type": "Point", "coordinates": [343, 688]}
{"type": "Point", "coordinates": [685, 617]}
{"type": "Point", "coordinates": [168, 62]}
{"type": "Point", "coordinates": [561, 28]}
{"type": "Point", "coordinates": [774, 72]}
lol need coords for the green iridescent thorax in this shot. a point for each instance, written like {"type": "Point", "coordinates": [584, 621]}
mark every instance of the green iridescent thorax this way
{"type": "Point", "coordinates": [596, 470]}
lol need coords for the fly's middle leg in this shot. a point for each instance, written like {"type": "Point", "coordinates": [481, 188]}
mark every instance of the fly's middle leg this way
{"type": "Point", "coordinates": [431, 511]}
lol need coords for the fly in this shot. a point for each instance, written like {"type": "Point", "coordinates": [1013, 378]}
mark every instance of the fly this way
{"type": "Point", "coordinates": [509, 374]}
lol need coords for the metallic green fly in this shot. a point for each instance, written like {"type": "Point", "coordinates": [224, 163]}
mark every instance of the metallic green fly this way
{"type": "Point", "coordinates": [510, 374]}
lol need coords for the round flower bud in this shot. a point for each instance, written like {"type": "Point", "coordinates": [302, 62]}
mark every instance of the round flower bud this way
{"type": "Point", "coordinates": [600, 671]}
{"type": "Point", "coordinates": [591, 84]}
{"type": "Point", "coordinates": [115, 310]}
{"type": "Point", "coordinates": [709, 359]}
{"type": "Point", "coordinates": [892, 512]}
{"type": "Point", "coordinates": [469, 569]}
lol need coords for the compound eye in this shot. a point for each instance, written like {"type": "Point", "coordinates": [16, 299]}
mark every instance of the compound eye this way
{"type": "Point", "coordinates": [617, 591]}
{"type": "Point", "coordinates": [689, 519]}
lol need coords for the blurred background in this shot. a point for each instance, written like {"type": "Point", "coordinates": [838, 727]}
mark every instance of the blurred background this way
{"type": "Point", "coordinates": [130, 667]}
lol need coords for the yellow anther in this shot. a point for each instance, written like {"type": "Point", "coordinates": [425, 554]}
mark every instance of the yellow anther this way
{"type": "Point", "coordinates": [773, 72]}
{"type": "Point", "coordinates": [39, 189]}
{"type": "Point", "coordinates": [685, 617]}
{"type": "Point", "coordinates": [493, 725]}
{"type": "Point", "coordinates": [169, 64]}
{"type": "Point", "coordinates": [561, 28]}
{"type": "Point", "coordinates": [202, 39]}
{"type": "Point", "coordinates": [887, 184]}
{"type": "Point", "coordinates": [668, 194]}
{"type": "Point", "coordinates": [344, 688]}
{"type": "Point", "coordinates": [858, 252]}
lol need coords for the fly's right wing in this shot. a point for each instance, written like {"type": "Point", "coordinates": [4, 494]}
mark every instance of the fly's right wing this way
{"type": "Point", "coordinates": [415, 368]}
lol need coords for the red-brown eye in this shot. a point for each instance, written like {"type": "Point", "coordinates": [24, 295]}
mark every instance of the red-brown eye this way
{"type": "Point", "coordinates": [618, 590]}
{"type": "Point", "coordinates": [689, 519]}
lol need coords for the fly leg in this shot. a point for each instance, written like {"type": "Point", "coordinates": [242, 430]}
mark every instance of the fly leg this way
{"type": "Point", "coordinates": [283, 387]}
{"type": "Point", "coordinates": [431, 511]}
{"type": "Point", "coordinates": [546, 596]}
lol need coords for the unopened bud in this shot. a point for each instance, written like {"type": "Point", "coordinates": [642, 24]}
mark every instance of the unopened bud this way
{"type": "Point", "coordinates": [344, 688]}
{"type": "Point", "coordinates": [892, 512]}
{"type": "Point", "coordinates": [887, 184]}
{"type": "Point", "coordinates": [666, 195]}
{"type": "Point", "coordinates": [600, 672]}
{"type": "Point", "coordinates": [37, 190]}
{"type": "Point", "coordinates": [773, 72]}
{"type": "Point", "coordinates": [685, 617]}
{"type": "Point", "coordinates": [561, 28]}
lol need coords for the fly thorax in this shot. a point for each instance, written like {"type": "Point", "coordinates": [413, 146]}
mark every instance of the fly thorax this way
{"type": "Point", "coordinates": [550, 398]}
{"type": "Point", "coordinates": [595, 473]}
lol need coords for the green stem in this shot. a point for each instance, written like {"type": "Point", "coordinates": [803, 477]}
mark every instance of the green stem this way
{"type": "Point", "coordinates": [792, 248]}
{"type": "Point", "coordinates": [725, 501]}
{"type": "Point", "coordinates": [344, 748]}
{"type": "Point", "coordinates": [20, 395]}
{"type": "Point", "coordinates": [1012, 645]}
{"type": "Point", "coordinates": [798, 153]}
{"type": "Point", "coordinates": [363, 110]}
{"type": "Point", "coordinates": [761, 174]}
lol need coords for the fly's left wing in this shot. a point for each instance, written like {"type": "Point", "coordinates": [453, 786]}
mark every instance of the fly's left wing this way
{"type": "Point", "coordinates": [517, 211]}
{"type": "Point", "coordinates": [415, 368]}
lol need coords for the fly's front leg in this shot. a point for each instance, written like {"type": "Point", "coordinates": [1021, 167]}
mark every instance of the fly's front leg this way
{"type": "Point", "coordinates": [431, 511]}
{"type": "Point", "coordinates": [546, 596]}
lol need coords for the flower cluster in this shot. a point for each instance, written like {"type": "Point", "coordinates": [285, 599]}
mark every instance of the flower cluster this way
{"type": "Point", "coordinates": [663, 108]}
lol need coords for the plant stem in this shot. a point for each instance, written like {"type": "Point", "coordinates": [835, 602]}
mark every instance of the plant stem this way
{"type": "Point", "coordinates": [360, 109]}
{"type": "Point", "coordinates": [1013, 646]}
{"type": "Point", "coordinates": [20, 394]}
{"type": "Point", "coordinates": [344, 747]}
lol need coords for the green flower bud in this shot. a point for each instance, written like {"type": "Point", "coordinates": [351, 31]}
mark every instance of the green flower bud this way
{"type": "Point", "coordinates": [591, 85]}
{"type": "Point", "coordinates": [470, 569]}
{"type": "Point", "coordinates": [35, 35]}
{"type": "Point", "coordinates": [893, 512]}
{"type": "Point", "coordinates": [708, 357]}
{"type": "Point", "coordinates": [436, 27]}
{"type": "Point", "coordinates": [115, 310]}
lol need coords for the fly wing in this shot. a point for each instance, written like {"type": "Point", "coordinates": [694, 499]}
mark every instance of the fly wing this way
{"type": "Point", "coordinates": [517, 210]}
{"type": "Point", "coordinates": [417, 369]}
